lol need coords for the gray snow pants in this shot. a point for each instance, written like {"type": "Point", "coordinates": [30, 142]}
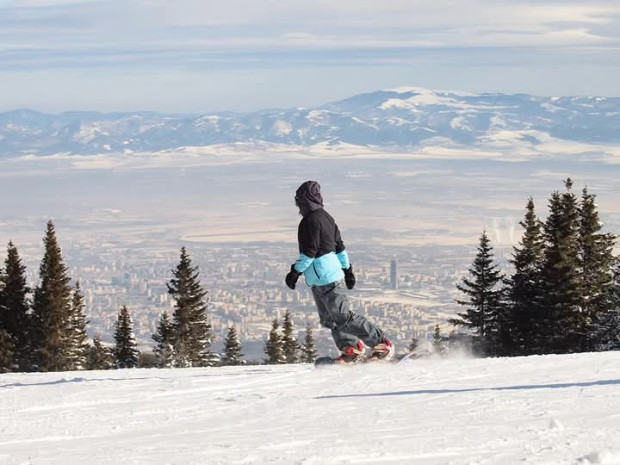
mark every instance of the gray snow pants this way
{"type": "Point", "coordinates": [334, 313]}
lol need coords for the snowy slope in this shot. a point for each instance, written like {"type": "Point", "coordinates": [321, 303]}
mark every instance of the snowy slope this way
{"type": "Point", "coordinates": [551, 409]}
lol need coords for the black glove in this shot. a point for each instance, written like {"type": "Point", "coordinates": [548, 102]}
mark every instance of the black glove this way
{"type": "Point", "coordinates": [349, 277]}
{"type": "Point", "coordinates": [292, 277]}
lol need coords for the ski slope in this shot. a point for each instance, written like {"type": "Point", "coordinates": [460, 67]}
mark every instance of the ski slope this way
{"type": "Point", "coordinates": [537, 410]}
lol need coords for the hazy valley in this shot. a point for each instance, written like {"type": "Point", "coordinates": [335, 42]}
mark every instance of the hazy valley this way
{"type": "Point", "coordinates": [122, 217]}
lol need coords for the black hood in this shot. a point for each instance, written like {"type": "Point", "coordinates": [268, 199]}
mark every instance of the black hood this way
{"type": "Point", "coordinates": [308, 197]}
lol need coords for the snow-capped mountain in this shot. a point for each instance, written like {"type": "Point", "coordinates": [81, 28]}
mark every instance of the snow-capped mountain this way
{"type": "Point", "coordinates": [402, 117]}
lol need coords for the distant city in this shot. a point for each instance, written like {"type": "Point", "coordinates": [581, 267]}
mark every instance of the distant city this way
{"type": "Point", "coordinates": [407, 295]}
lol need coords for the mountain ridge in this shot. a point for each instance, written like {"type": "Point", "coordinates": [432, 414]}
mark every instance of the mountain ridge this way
{"type": "Point", "coordinates": [404, 117]}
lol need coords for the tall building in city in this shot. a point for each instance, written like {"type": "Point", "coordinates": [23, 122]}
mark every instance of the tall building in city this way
{"type": "Point", "coordinates": [394, 274]}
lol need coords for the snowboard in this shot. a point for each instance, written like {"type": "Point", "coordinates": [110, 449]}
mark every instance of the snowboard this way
{"type": "Point", "coordinates": [327, 360]}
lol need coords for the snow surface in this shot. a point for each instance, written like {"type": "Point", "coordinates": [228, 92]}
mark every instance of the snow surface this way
{"type": "Point", "coordinates": [282, 128]}
{"type": "Point", "coordinates": [424, 90]}
{"type": "Point", "coordinates": [537, 410]}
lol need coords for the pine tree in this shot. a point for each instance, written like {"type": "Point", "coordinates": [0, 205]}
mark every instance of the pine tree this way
{"type": "Point", "coordinates": [484, 304]}
{"type": "Point", "coordinates": [14, 307]}
{"type": "Point", "coordinates": [308, 349]}
{"type": "Point", "coordinates": [51, 308]}
{"type": "Point", "coordinates": [562, 321]}
{"type": "Point", "coordinates": [193, 332]}
{"type": "Point", "coordinates": [7, 356]}
{"type": "Point", "coordinates": [606, 333]}
{"type": "Point", "coordinates": [273, 347]}
{"type": "Point", "coordinates": [439, 346]}
{"type": "Point", "coordinates": [290, 347]}
{"type": "Point", "coordinates": [77, 338]}
{"type": "Point", "coordinates": [232, 348]}
{"type": "Point", "coordinates": [597, 262]}
{"type": "Point", "coordinates": [125, 351]}
{"type": "Point", "coordinates": [100, 357]}
{"type": "Point", "coordinates": [523, 293]}
{"type": "Point", "coordinates": [164, 337]}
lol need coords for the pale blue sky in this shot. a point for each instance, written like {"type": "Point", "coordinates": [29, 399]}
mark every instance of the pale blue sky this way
{"type": "Point", "coordinates": [201, 55]}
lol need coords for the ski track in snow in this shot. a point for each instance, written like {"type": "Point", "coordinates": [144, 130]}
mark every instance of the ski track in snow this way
{"type": "Point", "coordinates": [533, 410]}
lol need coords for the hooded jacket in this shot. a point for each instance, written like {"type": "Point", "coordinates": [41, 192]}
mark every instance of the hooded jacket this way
{"type": "Point", "coordinates": [322, 253]}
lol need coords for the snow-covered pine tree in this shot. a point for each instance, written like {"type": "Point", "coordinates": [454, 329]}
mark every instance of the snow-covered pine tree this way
{"type": "Point", "coordinates": [100, 356]}
{"type": "Point", "coordinates": [562, 328]}
{"type": "Point", "coordinates": [14, 307]}
{"type": "Point", "coordinates": [484, 299]}
{"type": "Point", "coordinates": [125, 351]}
{"type": "Point", "coordinates": [308, 349]}
{"type": "Point", "coordinates": [290, 347]}
{"type": "Point", "coordinates": [523, 289]}
{"type": "Point", "coordinates": [51, 308]}
{"type": "Point", "coordinates": [597, 260]}
{"type": "Point", "coordinates": [232, 348]}
{"type": "Point", "coordinates": [273, 347]}
{"type": "Point", "coordinates": [77, 338]}
{"type": "Point", "coordinates": [193, 332]}
{"type": "Point", "coordinates": [164, 337]}
{"type": "Point", "coordinates": [7, 356]}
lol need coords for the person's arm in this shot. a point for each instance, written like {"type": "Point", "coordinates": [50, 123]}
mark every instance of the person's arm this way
{"type": "Point", "coordinates": [308, 237]}
{"type": "Point", "coordinates": [341, 251]}
{"type": "Point", "coordinates": [345, 264]}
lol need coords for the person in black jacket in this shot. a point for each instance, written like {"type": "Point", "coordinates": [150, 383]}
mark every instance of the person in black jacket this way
{"type": "Point", "coordinates": [324, 262]}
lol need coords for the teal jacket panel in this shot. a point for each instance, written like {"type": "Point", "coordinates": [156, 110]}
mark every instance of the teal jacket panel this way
{"type": "Point", "coordinates": [323, 270]}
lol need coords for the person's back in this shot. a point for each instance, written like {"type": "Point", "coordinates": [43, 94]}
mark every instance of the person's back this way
{"type": "Point", "coordinates": [319, 239]}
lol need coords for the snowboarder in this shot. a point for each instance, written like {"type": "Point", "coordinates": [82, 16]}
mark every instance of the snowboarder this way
{"type": "Point", "coordinates": [325, 264]}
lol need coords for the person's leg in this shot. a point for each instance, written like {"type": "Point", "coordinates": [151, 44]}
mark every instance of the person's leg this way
{"type": "Point", "coordinates": [341, 340]}
{"type": "Point", "coordinates": [347, 327]}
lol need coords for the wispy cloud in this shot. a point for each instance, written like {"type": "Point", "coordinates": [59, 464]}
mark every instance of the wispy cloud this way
{"type": "Point", "coordinates": [134, 36]}
{"type": "Point", "coordinates": [44, 3]}
{"type": "Point", "coordinates": [197, 26]}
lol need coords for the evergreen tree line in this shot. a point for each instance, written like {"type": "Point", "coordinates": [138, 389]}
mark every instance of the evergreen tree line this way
{"type": "Point", "coordinates": [563, 294]}
{"type": "Point", "coordinates": [282, 347]}
{"type": "Point", "coordinates": [185, 339]}
{"type": "Point", "coordinates": [45, 328]}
